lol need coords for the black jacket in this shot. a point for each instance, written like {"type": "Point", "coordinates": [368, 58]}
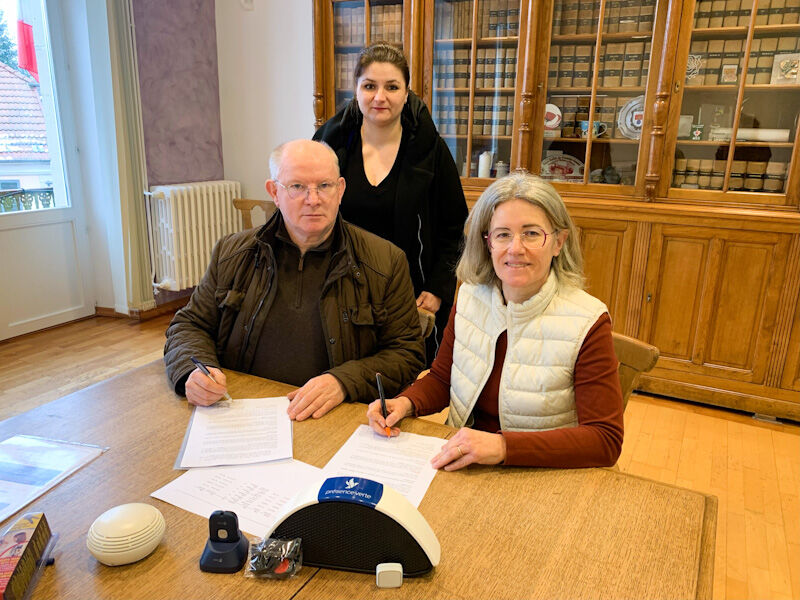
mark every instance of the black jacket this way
{"type": "Point", "coordinates": [429, 216]}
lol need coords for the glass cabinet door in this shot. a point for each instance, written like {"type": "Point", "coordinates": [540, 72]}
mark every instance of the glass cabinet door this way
{"type": "Point", "coordinates": [351, 34]}
{"type": "Point", "coordinates": [741, 100]}
{"type": "Point", "coordinates": [596, 83]}
{"type": "Point", "coordinates": [474, 77]}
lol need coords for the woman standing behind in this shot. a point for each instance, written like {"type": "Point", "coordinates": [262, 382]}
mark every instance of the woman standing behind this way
{"type": "Point", "coordinates": [402, 182]}
{"type": "Point", "coordinates": [527, 363]}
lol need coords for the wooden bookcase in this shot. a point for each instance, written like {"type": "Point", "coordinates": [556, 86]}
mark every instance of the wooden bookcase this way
{"type": "Point", "coordinates": [694, 244]}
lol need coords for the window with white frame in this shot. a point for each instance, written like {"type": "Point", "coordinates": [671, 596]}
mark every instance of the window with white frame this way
{"type": "Point", "coordinates": [30, 141]}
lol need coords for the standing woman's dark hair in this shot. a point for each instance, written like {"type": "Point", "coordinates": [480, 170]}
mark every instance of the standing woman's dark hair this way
{"type": "Point", "coordinates": [402, 182]}
{"type": "Point", "coordinates": [382, 52]}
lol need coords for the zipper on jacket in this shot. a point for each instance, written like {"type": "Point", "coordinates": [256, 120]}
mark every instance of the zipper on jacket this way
{"type": "Point", "coordinates": [419, 239]}
{"type": "Point", "coordinates": [249, 327]}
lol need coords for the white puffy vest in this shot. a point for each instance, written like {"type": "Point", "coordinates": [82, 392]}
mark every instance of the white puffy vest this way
{"type": "Point", "coordinates": [545, 334]}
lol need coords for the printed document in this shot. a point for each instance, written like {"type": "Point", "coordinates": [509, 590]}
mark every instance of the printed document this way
{"type": "Point", "coordinates": [30, 465]}
{"type": "Point", "coordinates": [241, 432]}
{"type": "Point", "coordinates": [258, 494]}
{"type": "Point", "coordinates": [403, 462]}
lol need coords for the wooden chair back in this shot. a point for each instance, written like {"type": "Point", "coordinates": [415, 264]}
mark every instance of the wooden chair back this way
{"type": "Point", "coordinates": [635, 357]}
{"type": "Point", "coordinates": [245, 206]}
{"type": "Point", "coordinates": [426, 321]}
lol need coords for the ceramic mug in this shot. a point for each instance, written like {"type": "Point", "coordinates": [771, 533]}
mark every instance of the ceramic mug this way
{"type": "Point", "coordinates": [598, 129]}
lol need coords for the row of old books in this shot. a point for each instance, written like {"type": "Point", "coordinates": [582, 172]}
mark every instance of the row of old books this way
{"type": "Point", "coordinates": [575, 109]}
{"type": "Point", "coordinates": [620, 65]}
{"type": "Point", "coordinates": [494, 68]}
{"type": "Point", "coordinates": [733, 13]}
{"type": "Point", "coordinates": [715, 62]}
{"type": "Point", "coordinates": [387, 23]}
{"type": "Point", "coordinates": [574, 16]}
{"type": "Point", "coordinates": [348, 24]}
{"type": "Point", "coordinates": [498, 18]}
{"type": "Point", "coordinates": [344, 67]}
{"type": "Point", "coordinates": [491, 115]}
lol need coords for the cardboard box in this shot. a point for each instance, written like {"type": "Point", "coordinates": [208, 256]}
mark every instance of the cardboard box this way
{"type": "Point", "coordinates": [21, 546]}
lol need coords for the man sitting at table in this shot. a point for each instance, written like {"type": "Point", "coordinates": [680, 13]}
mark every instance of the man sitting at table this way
{"type": "Point", "coordinates": [307, 299]}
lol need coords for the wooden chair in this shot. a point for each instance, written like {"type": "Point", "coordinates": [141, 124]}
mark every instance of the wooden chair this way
{"type": "Point", "coordinates": [426, 321]}
{"type": "Point", "coordinates": [245, 207]}
{"type": "Point", "coordinates": [635, 357]}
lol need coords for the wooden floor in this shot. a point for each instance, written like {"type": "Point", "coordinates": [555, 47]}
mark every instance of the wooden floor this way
{"type": "Point", "coordinates": [751, 466]}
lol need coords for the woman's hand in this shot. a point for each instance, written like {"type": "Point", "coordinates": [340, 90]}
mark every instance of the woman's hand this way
{"type": "Point", "coordinates": [469, 446]}
{"type": "Point", "coordinates": [397, 409]}
{"type": "Point", "coordinates": [429, 302]}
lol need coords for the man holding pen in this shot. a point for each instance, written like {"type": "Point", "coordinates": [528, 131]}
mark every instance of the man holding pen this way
{"type": "Point", "coordinates": [307, 299]}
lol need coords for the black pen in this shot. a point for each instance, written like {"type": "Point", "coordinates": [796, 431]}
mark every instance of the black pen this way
{"type": "Point", "coordinates": [208, 374]}
{"type": "Point", "coordinates": [387, 429]}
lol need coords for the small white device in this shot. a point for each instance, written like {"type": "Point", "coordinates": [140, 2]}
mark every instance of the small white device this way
{"type": "Point", "coordinates": [389, 575]}
{"type": "Point", "coordinates": [126, 533]}
{"type": "Point", "coordinates": [356, 524]}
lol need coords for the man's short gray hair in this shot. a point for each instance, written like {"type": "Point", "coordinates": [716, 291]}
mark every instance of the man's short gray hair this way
{"type": "Point", "coordinates": [475, 265]}
{"type": "Point", "coordinates": [276, 158]}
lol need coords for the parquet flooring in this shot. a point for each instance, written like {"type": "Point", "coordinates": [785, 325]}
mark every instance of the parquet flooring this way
{"type": "Point", "coordinates": [752, 467]}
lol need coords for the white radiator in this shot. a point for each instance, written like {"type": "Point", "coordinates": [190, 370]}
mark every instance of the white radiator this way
{"type": "Point", "coordinates": [184, 222]}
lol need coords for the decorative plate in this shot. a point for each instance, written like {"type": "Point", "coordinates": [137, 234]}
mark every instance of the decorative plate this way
{"type": "Point", "coordinates": [552, 116]}
{"type": "Point", "coordinates": [562, 167]}
{"type": "Point", "coordinates": [631, 118]}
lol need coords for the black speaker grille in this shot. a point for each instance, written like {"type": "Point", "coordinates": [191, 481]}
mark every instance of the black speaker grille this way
{"type": "Point", "coordinates": [353, 537]}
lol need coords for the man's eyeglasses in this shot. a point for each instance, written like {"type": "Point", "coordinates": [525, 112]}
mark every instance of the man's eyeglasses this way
{"type": "Point", "coordinates": [532, 238]}
{"type": "Point", "coordinates": [324, 189]}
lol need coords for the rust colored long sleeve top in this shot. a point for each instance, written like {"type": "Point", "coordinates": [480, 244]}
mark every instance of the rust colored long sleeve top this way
{"type": "Point", "coordinates": [597, 439]}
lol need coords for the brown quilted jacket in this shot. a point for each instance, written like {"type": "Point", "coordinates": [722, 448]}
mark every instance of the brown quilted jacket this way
{"type": "Point", "coordinates": [369, 312]}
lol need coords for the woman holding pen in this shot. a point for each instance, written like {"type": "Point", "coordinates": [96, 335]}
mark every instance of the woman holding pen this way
{"type": "Point", "coordinates": [527, 362]}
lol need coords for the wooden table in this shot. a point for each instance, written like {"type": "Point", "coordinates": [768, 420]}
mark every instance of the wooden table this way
{"type": "Point", "coordinates": [504, 532]}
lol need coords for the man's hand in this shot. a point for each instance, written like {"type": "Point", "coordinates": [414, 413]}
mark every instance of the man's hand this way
{"type": "Point", "coordinates": [469, 446]}
{"type": "Point", "coordinates": [201, 391]}
{"type": "Point", "coordinates": [319, 395]}
{"type": "Point", "coordinates": [429, 302]}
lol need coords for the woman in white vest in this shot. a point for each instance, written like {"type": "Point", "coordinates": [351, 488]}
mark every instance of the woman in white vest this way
{"type": "Point", "coordinates": [527, 363]}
